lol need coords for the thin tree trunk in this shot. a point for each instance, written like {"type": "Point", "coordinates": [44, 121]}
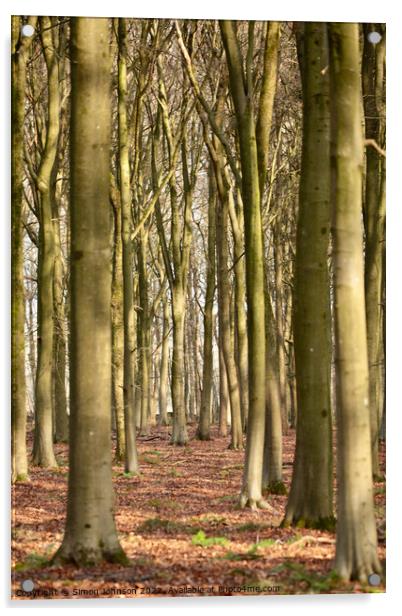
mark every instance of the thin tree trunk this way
{"type": "Point", "coordinates": [224, 403]}
{"type": "Point", "coordinates": [224, 322]}
{"type": "Point", "coordinates": [374, 215]}
{"type": "Point", "coordinates": [272, 466]}
{"type": "Point", "coordinates": [143, 332]}
{"type": "Point", "coordinates": [164, 367]}
{"type": "Point", "coordinates": [131, 460]}
{"type": "Point", "coordinates": [118, 331]}
{"type": "Point", "coordinates": [60, 345]}
{"type": "Point", "coordinates": [43, 454]}
{"type": "Point", "coordinates": [203, 432]}
{"type": "Point", "coordinates": [20, 47]}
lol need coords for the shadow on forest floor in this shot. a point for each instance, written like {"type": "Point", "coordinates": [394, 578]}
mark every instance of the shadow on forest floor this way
{"type": "Point", "coordinates": [179, 523]}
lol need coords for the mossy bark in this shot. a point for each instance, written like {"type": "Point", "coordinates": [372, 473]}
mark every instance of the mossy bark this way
{"type": "Point", "coordinates": [19, 48]}
{"type": "Point", "coordinates": [43, 454]}
{"type": "Point", "coordinates": [90, 534]}
{"type": "Point", "coordinates": [310, 497]}
{"type": "Point", "coordinates": [356, 543]}
{"type": "Point", "coordinates": [242, 99]}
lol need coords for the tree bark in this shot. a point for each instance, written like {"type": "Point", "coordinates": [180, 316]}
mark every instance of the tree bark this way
{"type": "Point", "coordinates": [225, 330]}
{"type": "Point", "coordinates": [242, 99]}
{"type": "Point", "coordinates": [20, 46]}
{"type": "Point", "coordinates": [131, 459]}
{"type": "Point", "coordinates": [356, 543]}
{"type": "Point", "coordinates": [90, 535]}
{"type": "Point", "coordinates": [203, 432]}
{"type": "Point", "coordinates": [43, 454]}
{"type": "Point", "coordinates": [310, 498]}
{"type": "Point", "coordinates": [374, 215]}
{"type": "Point", "coordinates": [164, 367]}
{"type": "Point", "coordinates": [118, 330]}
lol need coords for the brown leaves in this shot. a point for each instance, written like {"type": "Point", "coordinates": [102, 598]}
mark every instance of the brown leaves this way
{"type": "Point", "coordinates": [179, 492]}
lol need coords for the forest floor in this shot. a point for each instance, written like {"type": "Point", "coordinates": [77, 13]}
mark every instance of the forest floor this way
{"type": "Point", "coordinates": [179, 524]}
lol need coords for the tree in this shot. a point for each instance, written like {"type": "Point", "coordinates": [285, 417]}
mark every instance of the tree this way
{"type": "Point", "coordinates": [131, 460]}
{"type": "Point", "coordinates": [19, 45]}
{"type": "Point", "coordinates": [241, 92]}
{"type": "Point", "coordinates": [373, 69]}
{"type": "Point", "coordinates": [43, 454]}
{"type": "Point", "coordinates": [356, 540]}
{"type": "Point", "coordinates": [203, 432]}
{"type": "Point", "coordinates": [90, 534]}
{"type": "Point", "coordinates": [310, 498]}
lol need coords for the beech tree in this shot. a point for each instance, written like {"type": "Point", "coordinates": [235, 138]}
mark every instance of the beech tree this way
{"type": "Point", "coordinates": [310, 498]}
{"type": "Point", "coordinates": [90, 534]}
{"type": "Point", "coordinates": [19, 48]}
{"type": "Point", "coordinates": [356, 539]}
{"type": "Point", "coordinates": [198, 251]}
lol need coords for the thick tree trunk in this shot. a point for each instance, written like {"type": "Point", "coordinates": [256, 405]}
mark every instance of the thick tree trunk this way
{"type": "Point", "coordinates": [310, 498]}
{"type": "Point", "coordinates": [356, 547]}
{"type": "Point", "coordinates": [18, 388]}
{"type": "Point", "coordinates": [90, 534]}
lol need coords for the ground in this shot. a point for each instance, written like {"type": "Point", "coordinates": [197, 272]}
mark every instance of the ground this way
{"type": "Point", "coordinates": [179, 524]}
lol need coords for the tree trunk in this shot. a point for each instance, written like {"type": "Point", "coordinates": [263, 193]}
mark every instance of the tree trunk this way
{"type": "Point", "coordinates": [60, 345]}
{"type": "Point", "coordinates": [252, 478]}
{"type": "Point", "coordinates": [356, 547]}
{"type": "Point", "coordinates": [118, 332]}
{"type": "Point", "coordinates": [310, 498]}
{"type": "Point", "coordinates": [43, 454]}
{"type": "Point", "coordinates": [90, 535]}
{"type": "Point", "coordinates": [203, 432]}
{"type": "Point", "coordinates": [225, 332]}
{"type": "Point", "coordinates": [179, 432]}
{"type": "Point", "coordinates": [374, 215]}
{"type": "Point", "coordinates": [131, 460]}
{"type": "Point", "coordinates": [272, 466]}
{"type": "Point", "coordinates": [164, 367]}
{"type": "Point", "coordinates": [20, 46]}
{"type": "Point", "coordinates": [144, 333]}
{"type": "Point", "coordinates": [236, 218]}
{"type": "Point", "coordinates": [278, 259]}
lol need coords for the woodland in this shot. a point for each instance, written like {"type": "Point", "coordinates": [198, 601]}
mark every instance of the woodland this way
{"type": "Point", "coordinates": [198, 307]}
